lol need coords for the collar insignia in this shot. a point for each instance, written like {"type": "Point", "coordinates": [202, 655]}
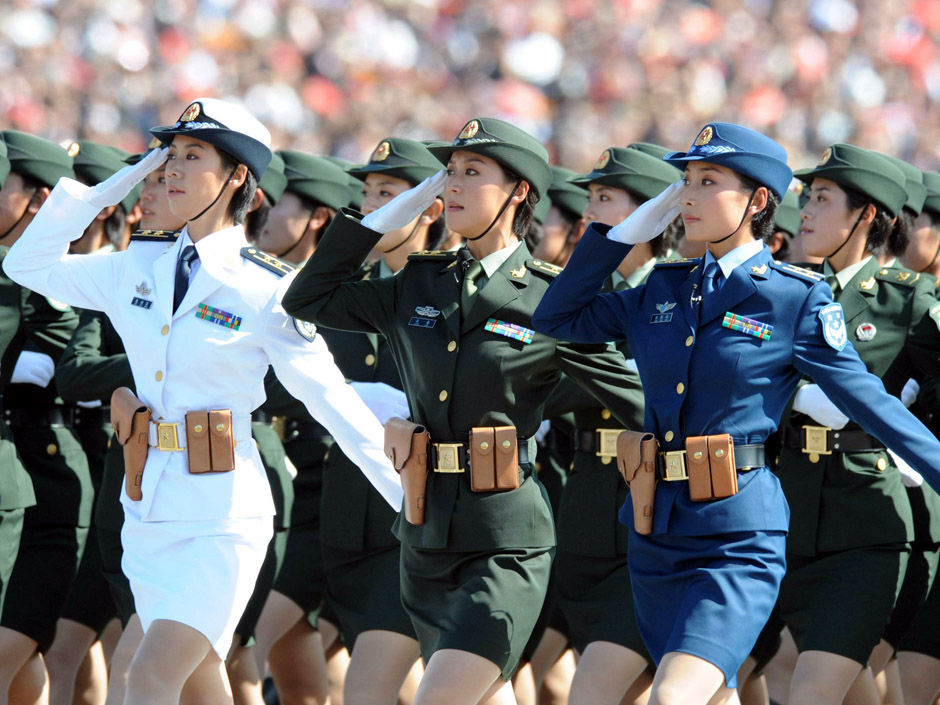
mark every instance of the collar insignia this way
{"type": "Point", "coordinates": [517, 273]}
{"type": "Point", "coordinates": [759, 270]}
{"type": "Point", "coordinates": [868, 284]}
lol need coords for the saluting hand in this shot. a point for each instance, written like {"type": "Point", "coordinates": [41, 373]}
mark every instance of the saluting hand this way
{"type": "Point", "coordinates": [113, 190]}
{"type": "Point", "coordinates": [650, 219]}
{"type": "Point", "coordinates": [407, 205]}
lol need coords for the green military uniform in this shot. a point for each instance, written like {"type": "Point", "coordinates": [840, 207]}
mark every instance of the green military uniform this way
{"type": "Point", "coordinates": [850, 516]}
{"type": "Point", "coordinates": [54, 530]}
{"type": "Point", "coordinates": [474, 575]}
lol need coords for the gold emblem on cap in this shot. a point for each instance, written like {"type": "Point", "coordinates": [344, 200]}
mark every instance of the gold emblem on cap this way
{"type": "Point", "coordinates": [154, 143]}
{"type": "Point", "coordinates": [826, 156]}
{"type": "Point", "coordinates": [602, 160]}
{"type": "Point", "coordinates": [381, 152]}
{"type": "Point", "coordinates": [74, 149]}
{"type": "Point", "coordinates": [705, 136]}
{"type": "Point", "coordinates": [191, 113]}
{"type": "Point", "coordinates": [797, 187]}
{"type": "Point", "coordinates": [469, 130]}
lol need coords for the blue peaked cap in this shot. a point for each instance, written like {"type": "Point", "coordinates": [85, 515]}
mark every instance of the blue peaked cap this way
{"type": "Point", "coordinates": [742, 150]}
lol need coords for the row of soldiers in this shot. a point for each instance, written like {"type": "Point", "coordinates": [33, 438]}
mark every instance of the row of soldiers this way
{"type": "Point", "coordinates": [330, 585]}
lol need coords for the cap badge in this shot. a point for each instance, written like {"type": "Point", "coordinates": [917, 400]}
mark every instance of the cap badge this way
{"type": "Point", "coordinates": [381, 152]}
{"type": "Point", "coordinates": [469, 130]}
{"type": "Point", "coordinates": [705, 136]}
{"type": "Point", "coordinates": [74, 149]}
{"type": "Point", "coordinates": [191, 113]}
{"type": "Point", "coordinates": [154, 143]}
{"type": "Point", "coordinates": [602, 160]}
{"type": "Point", "coordinates": [827, 155]}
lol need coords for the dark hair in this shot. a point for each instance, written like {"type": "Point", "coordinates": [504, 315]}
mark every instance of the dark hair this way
{"type": "Point", "coordinates": [241, 199]}
{"type": "Point", "coordinates": [525, 211]}
{"type": "Point", "coordinates": [662, 244]}
{"type": "Point", "coordinates": [882, 224]}
{"type": "Point", "coordinates": [762, 224]}
{"type": "Point", "coordinates": [901, 232]}
{"type": "Point", "coordinates": [312, 205]}
{"type": "Point", "coordinates": [256, 219]}
{"type": "Point", "coordinates": [784, 252]}
{"type": "Point", "coordinates": [114, 225]}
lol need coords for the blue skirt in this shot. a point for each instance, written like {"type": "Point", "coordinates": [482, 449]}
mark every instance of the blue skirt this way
{"type": "Point", "coordinates": [708, 596]}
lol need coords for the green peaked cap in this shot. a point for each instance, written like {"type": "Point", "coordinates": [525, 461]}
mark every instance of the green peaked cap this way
{"type": "Point", "coordinates": [274, 181]}
{"type": "Point", "coordinates": [93, 163]}
{"type": "Point", "coordinates": [402, 158]}
{"type": "Point", "coordinates": [787, 217]}
{"type": "Point", "coordinates": [37, 158]}
{"type": "Point", "coordinates": [4, 162]}
{"type": "Point", "coordinates": [635, 171]}
{"type": "Point", "coordinates": [913, 183]}
{"type": "Point", "coordinates": [317, 179]}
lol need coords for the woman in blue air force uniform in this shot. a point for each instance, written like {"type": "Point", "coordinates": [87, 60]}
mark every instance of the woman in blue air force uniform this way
{"type": "Point", "coordinates": [707, 577]}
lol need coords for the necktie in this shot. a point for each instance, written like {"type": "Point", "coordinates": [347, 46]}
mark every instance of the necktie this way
{"type": "Point", "coordinates": [184, 266]}
{"type": "Point", "coordinates": [833, 282]}
{"type": "Point", "coordinates": [469, 287]}
{"type": "Point", "coordinates": [712, 280]}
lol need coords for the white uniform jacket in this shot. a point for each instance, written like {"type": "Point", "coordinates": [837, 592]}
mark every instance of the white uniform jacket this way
{"type": "Point", "coordinates": [211, 354]}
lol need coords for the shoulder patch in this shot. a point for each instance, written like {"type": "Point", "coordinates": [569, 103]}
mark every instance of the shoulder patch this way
{"type": "Point", "coordinates": [167, 236]}
{"type": "Point", "coordinates": [437, 255]}
{"type": "Point", "coordinates": [263, 259]}
{"type": "Point", "coordinates": [537, 265]}
{"type": "Point", "coordinates": [685, 262]}
{"type": "Point", "coordinates": [897, 275]}
{"type": "Point", "coordinates": [798, 272]}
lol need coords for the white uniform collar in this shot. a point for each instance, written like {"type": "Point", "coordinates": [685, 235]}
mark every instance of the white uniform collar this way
{"type": "Point", "coordinates": [739, 255]}
{"type": "Point", "coordinates": [845, 276]}
{"type": "Point", "coordinates": [217, 251]}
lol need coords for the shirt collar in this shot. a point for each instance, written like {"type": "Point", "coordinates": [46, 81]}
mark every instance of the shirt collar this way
{"type": "Point", "coordinates": [845, 276]}
{"type": "Point", "coordinates": [216, 250]}
{"type": "Point", "coordinates": [739, 255]}
{"type": "Point", "coordinates": [640, 273]}
{"type": "Point", "coordinates": [494, 260]}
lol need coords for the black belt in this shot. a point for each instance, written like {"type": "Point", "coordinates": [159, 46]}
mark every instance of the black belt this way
{"type": "Point", "coordinates": [81, 416]}
{"type": "Point", "coordinates": [259, 416]}
{"type": "Point", "coordinates": [26, 417]}
{"type": "Point", "coordinates": [454, 458]}
{"type": "Point", "coordinates": [825, 441]}
{"type": "Point", "coordinates": [671, 465]}
{"type": "Point", "coordinates": [298, 430]}
{"type": "Point", "coordinates": [602, 442]}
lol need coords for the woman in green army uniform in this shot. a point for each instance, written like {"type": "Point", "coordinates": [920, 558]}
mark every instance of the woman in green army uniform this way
{"type": "Point", "coordinates": [850, 516]}
{"type": "Point", "coordinates": [475, 572]}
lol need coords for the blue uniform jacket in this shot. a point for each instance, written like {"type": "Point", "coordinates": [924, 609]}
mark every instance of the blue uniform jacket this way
{"type": "Point", "coordinates": [703, 378]}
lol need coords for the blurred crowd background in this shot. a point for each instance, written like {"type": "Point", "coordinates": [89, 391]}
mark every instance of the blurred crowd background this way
{"type": "Point", "coordinates": [335, 76]}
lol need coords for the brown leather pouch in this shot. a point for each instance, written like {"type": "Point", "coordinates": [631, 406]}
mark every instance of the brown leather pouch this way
{"type": "Point", "coordinates": [482, 459]}
{"type": "Point", "coordinates": [696, 458]}
{"type": "Point", "coordinates": [221, 440]}
{"type": "Point", "coordinates": [507, 457]}
{"type": "Point", "coordinates": [636, 459]}
{"type": "Point", "coordinates": [721, 461]}
{"type": "Point", "coordinates": [197, 442]}
{"type": "Point", "coordinates": [406, 445]}
{"type": "Point", "coordinates": [130, 418]}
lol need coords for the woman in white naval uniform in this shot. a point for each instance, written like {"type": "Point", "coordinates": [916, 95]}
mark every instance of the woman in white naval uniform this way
{"type": "Point", "coordinates": [200, 333]}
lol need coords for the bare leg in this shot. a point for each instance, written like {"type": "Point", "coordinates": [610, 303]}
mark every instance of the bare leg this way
{"type": "Point", "coordinates": [500, 694]}
{"type": "Point", "coordinates": [299, 667]}
{"type": "Point", "coordinates": [556, 684]}
{"type": "Point", "coordinates": [779, 672]}
{"type": "Point", "coordinates": [683, 679]}
{"type": "Point", "coordinates": [920, 677]}
{"type": "Point", "coordinates": [889, 687]}
{"type": "Point", "coordinates": [15, 651]}
{"type": "Point", "coordinates": [207, 684]}
{"type": "Point", "coordinates": [409, 689]}
{"type": "Point", "coordinates": [72, 641]}
{"type": "Point", "coordinates": [546, 655]}
{"type": "Point", "coordinates": [753, 691]}
{"type": "Point", "coordinates": [279, 614]}
{"type": "Point", "coordinates": [523, 685]}
{"type": "Point", "coordinates": [863, 690]}
{"type": "Point", "coordinates": [121, 660]}
{"type": "Point", "coordinates": [454, 677]}
{"type": "Point", "coordinates": [821, 678]}
{"type": "Point", "coordinates": [337, 660]}
{"type": "Point", "coordinates": [109, 638]}
{"type": "Point", "coordinates": [243, 674]}
{"type": "Point", "coordinates": [30, 686]}
{"type": "Point", "coordinates": [377, 668]}
{"type": "Point", "coordinates": [605, 672]}
{"type": "Point", "coordinates": [880, 656]}
{"type": "Point", "coordinates": [91, 681]}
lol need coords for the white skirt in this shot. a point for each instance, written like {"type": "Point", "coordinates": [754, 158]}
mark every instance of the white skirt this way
{"type": "Point", "coordinates": [199, 573]}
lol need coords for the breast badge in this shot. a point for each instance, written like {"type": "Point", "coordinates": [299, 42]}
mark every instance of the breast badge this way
{"type": "Point", "coordinates": [664, 315]}
{"type": "Point", "coordinates": [865, 332]}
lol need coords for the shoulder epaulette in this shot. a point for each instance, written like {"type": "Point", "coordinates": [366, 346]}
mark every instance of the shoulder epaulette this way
{"type": "Point", "coordinates": [537, 265]}
{"type": "Point", "coordinates": [439, 255]}
{"type": "Point", "coordinates": [897, 275]}
{"type": "Point", "coordinates": [167, 236]}
{"type": "Point", "coordinates": [272, 264]}
{"type": "Point", "coordinates": [687, 262]}
{"type": "Point", "coordinates": [367, 270]}
{"type": "Point", "coordinates": [799, 272]}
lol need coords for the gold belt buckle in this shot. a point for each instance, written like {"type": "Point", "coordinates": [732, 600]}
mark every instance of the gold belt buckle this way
{"type": "Point", "coordinates": [448, 457]}
{"type": "Point", "coordinates": [167, 436]}
{"type": "Point", "coordinates": [607, 443]}
{"type": "Point", "coordinates": [675, 466]}
{"type": "Point", "coordinates": [816, 440]}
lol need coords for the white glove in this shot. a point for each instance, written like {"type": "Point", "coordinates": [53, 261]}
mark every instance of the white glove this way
{"type": "Point", "coordinates": [650, 219]}
{"type": "Point", "coordinates": [813, 401]}
{"type": "Point", "coordinates": [93, 404]}
{"type": "Point", "coordinates": [631, 365]}
{"type": "Point", "coordinates": [382, 399]}
{"type": "Point", "coordinates": [115, 188]}
{"type": "Point", "coordinates": [909, 476]}
{"type": "Point", "coordinates": [909, 392]}
{"type": "Point", "coordinates": [542, 430]}
{"type": "Point", "coordinates": [406, 206]}
{"type": "Point", "coordinates": [33, 368]}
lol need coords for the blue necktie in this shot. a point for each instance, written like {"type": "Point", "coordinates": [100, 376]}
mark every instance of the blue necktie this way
{"type": "Point", "coordinates": [184, 267]}
{"type": "Point", "coordinates": [712, 279]}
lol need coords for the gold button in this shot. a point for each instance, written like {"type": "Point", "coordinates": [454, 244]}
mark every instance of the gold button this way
{"type": "Point", "coordinates": [159, 375]}
{"type": "Point", "coordinates": [680, 388]}
{"type": "Point", "coordinates": [52, 449]}
{"type": "Point", "coordinates": [697, 455]}
{"type": "Point", "coordinates": [220, 427]}
{"type": "Point", "coordinates": [719, 453]}
{"type": "Point", "coordinates": [606, 460]}
{"type": "Point", "coordinates": [451, 346]}
{"type": "Point", "coordinates": [164, 330]}
{"type": "Point", "coordinates": [669, 436]}
{"type": "Point", "coordinates": [605, 414]}
{"type": "Point", "coordinates": [689, 341]}
{"type": "Point", "coordinates": [198, 428]}
{"type": "Point", "coordinates": [814, 457]}
{"type": "Point", "coordinates": [507, 444]}
{"type": "Point", "coordinates": [484, 445]}
{"type": "Point", "coordinates": [881, 464]}
{"type": "Point", "coordinates": [443, 395]}
{"type": "Point", "coordinates": [370, 359]}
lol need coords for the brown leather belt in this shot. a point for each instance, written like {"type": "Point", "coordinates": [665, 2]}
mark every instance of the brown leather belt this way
{"type": "Point", "coordinates": [820, 440]}
{"type": "Point", "coordinates": [671, 464]}
{"type": "Point", "coordinates": [453, 458]}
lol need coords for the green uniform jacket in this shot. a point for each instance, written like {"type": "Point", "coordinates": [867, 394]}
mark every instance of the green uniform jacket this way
{"type": "Point", "coordinates": [848, 500]}
{"type": "Point", "coordinates": [456, 374]}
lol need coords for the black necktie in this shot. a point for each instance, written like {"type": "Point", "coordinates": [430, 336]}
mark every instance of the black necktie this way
{"type": "Point", "coordinates": [184, 266]}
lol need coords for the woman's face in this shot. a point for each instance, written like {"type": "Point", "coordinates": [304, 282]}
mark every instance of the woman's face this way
{"type": "Point", "coordinates": [608, 205]}
{"type": "Point", "coordinates": [713, 202]}
{"type": "Point", "coordinates": [557, 231]}
{"type": "Point", "coordinates": [475, 190]}
{"type": "Point", "coordinates": [286, 224]}
{"type": "Point", "coordinates": [826, 219]}
{"type": "Point", "coordinates": [921, 250]}
{"type": "Point", "coordinates": [15, 197]}
{"type": "Point", "coordinates": [154, 204]}
{"type": "Point", "coordinates": [377, 190]}
{"type": "Point", "coordinates": [194, 176]}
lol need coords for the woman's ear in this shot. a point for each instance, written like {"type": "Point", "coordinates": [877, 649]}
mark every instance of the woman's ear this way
{"type": "Point", "coordinates": [521, 192]}
{"type": "Point", "coordinates": [105, 213]}
{"type": "Point", "coordinates": [239, 175]}
{"type": "Point", "coordinates": [760, 200]}
{"type": "Point", "coordinates": [321, 216]}
{"type": "Point", "coordinates": [868, 215]}
{"type": "Point", "coordinates": [256, 200]}
{"type": "Point", "coordinates": [39, 197]}
{"type": "Point", "coordinates": [432, 212]}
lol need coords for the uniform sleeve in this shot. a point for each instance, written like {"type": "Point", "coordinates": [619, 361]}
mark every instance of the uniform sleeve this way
{"type": "Point", "coordinates": [308, 372]}
{"type": "Point", "coordinates": [86, 374]}
{"type": "Point", "coordinates": [39, 260]}
{"type": "Point", "coordinates": [859, 394]}
{"type": "Point", "coordinates": [322, 291]}
{"type": "Point", "coordinates": [46, 328]}
{"type": "Point", "coordinates": [279, 402]}
{"type": "Point", "coordinates": [573, 307]}
{"type": "Point", "coordinates": [923, 338]}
